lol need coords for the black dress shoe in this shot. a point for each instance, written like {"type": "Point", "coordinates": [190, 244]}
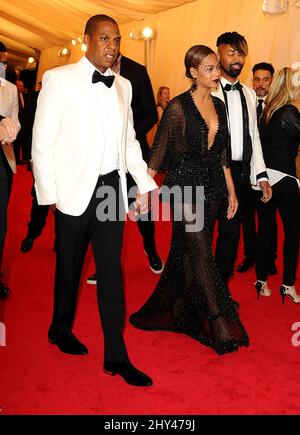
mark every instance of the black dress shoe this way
{"type": "Point", "coordinates": [4, 290]}
{"type": "Point", "coordinates": [129, 373]}
{"type": "Point", "coordinates": [27, 243]}
{"type": "Point", "coordinates": [155, 262]}
{"type": "Point", "coordinates": [272, 268]}
{"type": "Point", "coordinates": [68, 343]}
{"type": "Point", "coordinates": [245, 265]}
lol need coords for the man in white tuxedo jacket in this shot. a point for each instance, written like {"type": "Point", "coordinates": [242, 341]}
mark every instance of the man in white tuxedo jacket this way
{"type": "Point", "coordinates": [9, 117]}
{"type": "Point", "coordinates": [247, 163]}
{"type": "Point", "coordinates": [83, 140]}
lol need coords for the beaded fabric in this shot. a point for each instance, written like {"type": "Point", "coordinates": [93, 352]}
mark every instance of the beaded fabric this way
{"type": "Point", "coordinates": [191, 296]}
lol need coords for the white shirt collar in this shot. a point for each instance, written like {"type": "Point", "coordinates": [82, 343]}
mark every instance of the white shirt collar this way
{"type": "Point", "coordinates": [225, 82]}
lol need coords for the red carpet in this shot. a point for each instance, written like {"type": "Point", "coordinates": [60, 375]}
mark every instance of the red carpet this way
{"type": "Point", "coordinates": [35, 378]}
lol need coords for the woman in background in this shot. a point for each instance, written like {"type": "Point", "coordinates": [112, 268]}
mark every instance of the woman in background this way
{"type": "Point", "coordinates": [163, 97]}
{"type": "Point", "coordinates": [280, 138]}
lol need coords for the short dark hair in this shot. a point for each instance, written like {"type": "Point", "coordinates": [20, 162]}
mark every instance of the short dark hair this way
{"type": "Point", "coordinates": [195, 56]}
{"type": "Point", "coordinates": [265, 66]}
{"type": "Point", "coordinates": [237, 41]}
{"type": "Point", "coordinates": [93, 21]}
{"type": "Point", "coordinates": [2, 48]}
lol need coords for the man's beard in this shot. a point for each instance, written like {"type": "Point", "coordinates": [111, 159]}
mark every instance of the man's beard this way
{"type": "Point", "coordinates": [233, 72]}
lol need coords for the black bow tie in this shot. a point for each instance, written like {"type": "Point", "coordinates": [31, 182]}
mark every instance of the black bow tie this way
{"type": "Point", "coordinates": [107, 80]}
{"type": "Point", "coordinates": [236, 87]}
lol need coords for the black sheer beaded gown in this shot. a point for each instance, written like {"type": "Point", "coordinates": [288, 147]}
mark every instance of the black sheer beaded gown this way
{"type": "Point", "coordinates": [191, 296]}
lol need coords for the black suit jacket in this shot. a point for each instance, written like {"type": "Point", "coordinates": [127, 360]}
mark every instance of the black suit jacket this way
{"type": "Point", "coordinates": [143, 102]}
{"type": "Point", "coordinates": [27, 123]}
{"type": "Point", "coordinates": [280, 139]}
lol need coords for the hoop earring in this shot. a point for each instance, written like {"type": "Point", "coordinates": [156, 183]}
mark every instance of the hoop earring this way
{"type": "Point", "coordinates": [194, 84]}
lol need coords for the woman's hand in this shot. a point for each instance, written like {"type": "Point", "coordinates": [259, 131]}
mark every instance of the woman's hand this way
{"type": "Point", "coordinates": [232, 205]}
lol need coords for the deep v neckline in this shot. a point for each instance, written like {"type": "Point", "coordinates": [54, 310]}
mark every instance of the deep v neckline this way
{"type": "Point", "coordinates": [209, 147]}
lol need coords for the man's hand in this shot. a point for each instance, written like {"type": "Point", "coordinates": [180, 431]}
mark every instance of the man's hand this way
{"type": "Point", "coordinates": [12, 129]}
{"type": "Point", "coordinates": [142, 203]}
{"type": "Point", "coordinates": [266, 190]}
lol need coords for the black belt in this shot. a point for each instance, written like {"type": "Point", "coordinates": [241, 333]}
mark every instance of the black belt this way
{"type": "Point", "coordinates": [109, 176]}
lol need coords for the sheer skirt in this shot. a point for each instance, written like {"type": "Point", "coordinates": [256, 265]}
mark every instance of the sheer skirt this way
{"type": "Point", "coordinates": [191, 296]}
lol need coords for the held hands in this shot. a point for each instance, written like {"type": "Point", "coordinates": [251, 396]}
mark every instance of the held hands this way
{"type": "Point", "coordinates": [232, 205]}
{"type": "Point", "coordinates": [142, 203]}
{"type": "Point", "coordinates": [9, 130]}
{"type": "Point", "coordinates": [266, 190]}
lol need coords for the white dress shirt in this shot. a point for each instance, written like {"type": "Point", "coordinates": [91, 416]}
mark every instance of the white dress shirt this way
{"type": "Point", "coordinates": [235, 115]}
{"type": "Point", "coordinates": [109, 128]}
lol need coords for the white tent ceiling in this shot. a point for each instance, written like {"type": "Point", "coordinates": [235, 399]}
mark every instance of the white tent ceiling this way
{"type": "Point", "coordinates": [29, 25]}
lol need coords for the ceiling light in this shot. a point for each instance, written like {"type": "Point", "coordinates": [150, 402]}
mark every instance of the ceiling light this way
{"type": "Point", "coordinates": [64, 52]}
{"type": "Point", "coordinates": [136, 34]}
{"type": "Point", "coordinates": [31, 59]}
{"type": "Point", "coordinates": [148, 33]}
{"type": "Point", "coordinates": [275, 7]}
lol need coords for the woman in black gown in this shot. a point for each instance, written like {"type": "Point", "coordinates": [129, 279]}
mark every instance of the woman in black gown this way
{"type": "Point", "coordinates": [191, 145]}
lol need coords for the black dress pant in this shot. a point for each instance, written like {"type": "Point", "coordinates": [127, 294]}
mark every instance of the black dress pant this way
{"type": "Point", "coordinates": [17, 148]}
{"type": "Point", "coordinates": [249, 228]}
{"type": "Point", "coordinates": [38, 216]}
{"type": "Point", "coordinates": [286, 199]}
{"type": "Point", "coordinates": [229, 229]}
{"type": "Point", "coordinates": [144, 221]}
{"type": "Point", "coordinates": [73, 234]}
{"type": "Point", "coordinates": [5, 190]}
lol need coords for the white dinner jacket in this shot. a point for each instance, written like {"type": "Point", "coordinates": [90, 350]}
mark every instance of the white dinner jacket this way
{"type": "Point", "coordinates": [257, 164]}
{"type": "Point", "coordinates": [66, 147]}
{"type": "Point", "coordinates": [9, 107]}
